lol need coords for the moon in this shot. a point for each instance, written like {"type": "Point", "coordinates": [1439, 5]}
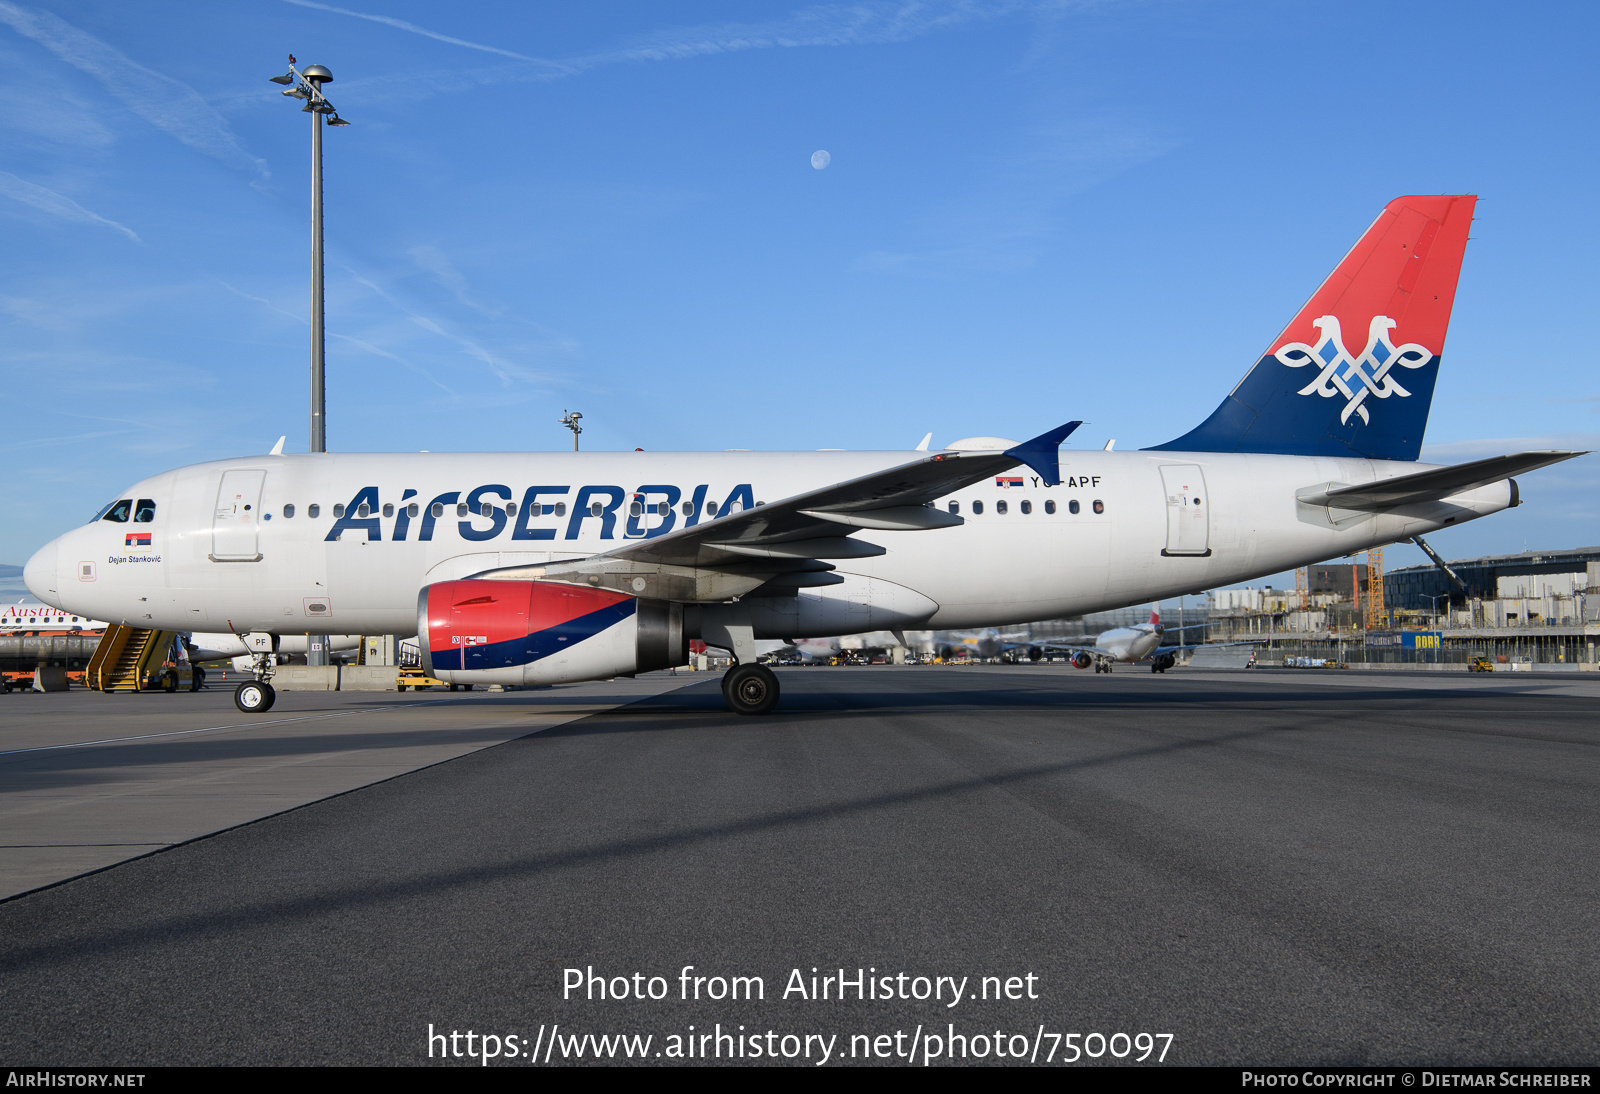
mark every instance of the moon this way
{"type": "Point", "coordinates": [820, 158]}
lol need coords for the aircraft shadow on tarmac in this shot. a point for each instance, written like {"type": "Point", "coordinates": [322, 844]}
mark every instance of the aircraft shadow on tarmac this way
{"type": "Point", "coordinates": [17, 955]}
{"type": "Point", "coordinates": [876, 696]}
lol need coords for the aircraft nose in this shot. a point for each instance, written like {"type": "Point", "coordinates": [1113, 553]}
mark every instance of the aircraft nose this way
{"type": "Point", "coordinates": [40, 574]}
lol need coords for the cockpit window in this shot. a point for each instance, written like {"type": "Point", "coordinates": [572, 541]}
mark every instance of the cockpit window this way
{"type": "Point", "coordinates": [118, 511]}
{"type": "Point", "coordinates": [144, 512]}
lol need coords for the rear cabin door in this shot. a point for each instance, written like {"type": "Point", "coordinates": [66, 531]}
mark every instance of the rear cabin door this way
{"type": "Point", "coordinates": [1188, 510]}
{"type": "Point", "coordinates": [235, 523]}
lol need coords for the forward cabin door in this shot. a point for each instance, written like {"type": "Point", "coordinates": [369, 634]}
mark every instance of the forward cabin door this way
{"type": "Point", "coordinates": [236, 521]}
{"type": "Point", "coordinates": [1188, 510]}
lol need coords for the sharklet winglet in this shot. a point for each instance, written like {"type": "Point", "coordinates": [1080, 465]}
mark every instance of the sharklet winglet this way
{"type": "Point", "coordinates": [1043, 452]}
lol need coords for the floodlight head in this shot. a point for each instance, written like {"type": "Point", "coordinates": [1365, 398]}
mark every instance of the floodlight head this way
{"type": "Point", "coordinates": [317, 74]}
{"type": "Point", "coordinates": [322, 106]}
{"type": "Point", "coordinates": [281, 79]}
{"type": "Point", "coordinates": [296, 93]}
{"type": "Point", "coordinates": [336, 120]}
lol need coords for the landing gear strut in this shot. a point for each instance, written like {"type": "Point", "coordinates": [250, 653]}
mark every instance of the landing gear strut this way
{"type": "Point", "coordinates": [256, 696]}
{"type": "Point", "coordinates": [750, 689]}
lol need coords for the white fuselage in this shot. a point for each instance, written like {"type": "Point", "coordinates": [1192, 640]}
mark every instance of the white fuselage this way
{"type": "Point", "coordinates": [1148, 525]}
{"type": "Point", "coordinates": [1129, 643]}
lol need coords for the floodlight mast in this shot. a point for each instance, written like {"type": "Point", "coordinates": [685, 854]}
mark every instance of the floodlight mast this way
{"type": "Point", "coordinates": [307, 85]}
{"type": "Point", "coordinates": [571, 422]}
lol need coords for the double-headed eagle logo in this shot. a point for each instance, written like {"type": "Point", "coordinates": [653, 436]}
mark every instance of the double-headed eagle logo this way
{"type": "Point", "coordinates": [1354, 377]}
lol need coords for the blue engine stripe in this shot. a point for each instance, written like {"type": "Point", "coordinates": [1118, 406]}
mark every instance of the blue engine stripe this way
{"type": "Point", "coordinates": [539, 644]}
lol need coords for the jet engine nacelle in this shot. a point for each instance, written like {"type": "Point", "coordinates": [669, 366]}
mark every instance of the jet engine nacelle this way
{"type": "Point", "coordinates": [1081, 660]}
{"type": "Point", "coordinates": [542, 632]}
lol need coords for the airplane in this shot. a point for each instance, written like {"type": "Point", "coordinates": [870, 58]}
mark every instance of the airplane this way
{"type": "Point", "coordinates": [540, 568]}
{"type": "Point", "coordinates": [1129, 645]}
{"type": "Point", "coordinates": [38, 619]}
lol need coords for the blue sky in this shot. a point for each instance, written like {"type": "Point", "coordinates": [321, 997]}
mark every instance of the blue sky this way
{"type": "Point", "coordinates": [1033, 212]}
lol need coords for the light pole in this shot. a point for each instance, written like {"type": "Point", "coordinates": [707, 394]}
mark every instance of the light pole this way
{"type": "Point", "coordinates": [307, 85]}
{"type": "Point", "coordinates": [1433, 601]}
{"type": "Point", "coordinates": [571, 422]}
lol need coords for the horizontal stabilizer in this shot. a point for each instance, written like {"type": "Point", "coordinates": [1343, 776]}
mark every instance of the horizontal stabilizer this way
{"type": "Point", "coordinates": [1434, 485]}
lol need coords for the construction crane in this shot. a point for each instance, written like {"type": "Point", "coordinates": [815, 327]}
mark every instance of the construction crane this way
{"type": "Point", "coordinates": [1377, 613]}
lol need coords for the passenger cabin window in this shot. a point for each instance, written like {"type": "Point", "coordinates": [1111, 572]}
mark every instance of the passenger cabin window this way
{"type": "Point", "coordinates": [313, 510]}
{"type": "Point", "coordinates": [1000, 507]}
{"type": "Point", "coordinates": [1072, 507]}
{"type": "Point", "coordinates": [664, 510]}
{"type": "Point", "coordinates": [145, 511]}
{"type": "Point", "coordinates": [388, 508]}
{"type": "Point", "coordinates": [288, 511]}
{"type": "Point", "coordinates": [688, 508]}
{"type": "Point", "coordinates": [119, 511]}
{"type": "Point", "coordinates": [711, 508]}
{"type": "Point", "coordinates": [437, 509]}
{"type": "Point", "coordinates": [955, 507]}
{"type": "Point", "coordinates": [595, 509]}
{"type": "Point", "coordinates": [362, 510]}
{"type": "Point", "coordinates": [338, 510]}
{"type": "Point", "coordinates": [1026, 507]}
{"type": "Point", "coordinates": [511, 508]}
{"type": "Point", "coordinates": [486, 510]}
{"type": "Point", "coordinates": [635, 509]}
{"type": "Point", "coordinates": [561, 508]}
{"type": "Point", "coordinates": [1099, 506]}
{"type": "Point", "coordinates": [977, 508]}
{"type": "Point", "coordinates": [461, 509]}
{"type": "Point", "coordinates": [412, 510]}
{"type": "Point", "coordinates": [1050, 507]}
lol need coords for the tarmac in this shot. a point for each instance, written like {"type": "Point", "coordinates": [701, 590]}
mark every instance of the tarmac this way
{"type": "Point", "coordinates": [1249, 867]}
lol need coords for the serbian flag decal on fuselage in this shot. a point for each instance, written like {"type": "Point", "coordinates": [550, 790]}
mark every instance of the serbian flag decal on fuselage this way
{"type": "Point", "coordinates": [1006, 482]}
{"type": "Point", "coordinates": [136, 539]}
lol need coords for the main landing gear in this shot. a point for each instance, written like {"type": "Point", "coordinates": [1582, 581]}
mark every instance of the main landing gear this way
{"type": "Point", "coordinates": [750, 689]}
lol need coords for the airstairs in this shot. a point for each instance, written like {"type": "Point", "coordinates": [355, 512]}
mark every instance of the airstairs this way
{"type": "Point", "coordinates": [125, 657]}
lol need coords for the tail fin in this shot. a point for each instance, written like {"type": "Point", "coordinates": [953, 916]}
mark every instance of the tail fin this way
{"type": "Point", "coordinates": [1155, 615]}
{"type": "Point", "coordinates": [1310, 395]}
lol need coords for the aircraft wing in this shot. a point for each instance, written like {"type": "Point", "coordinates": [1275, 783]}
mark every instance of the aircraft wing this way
{"type": "Point", "coordinates": [1209, 646]}
{"type": "Point", "coordinates": [734, 553]}
{"type": "Point", "coordinates": [812, 525]}
{"type": "Point", "coordinates": [1058, 647]}
{"type": "Point", "coordinates": [1432, 485]}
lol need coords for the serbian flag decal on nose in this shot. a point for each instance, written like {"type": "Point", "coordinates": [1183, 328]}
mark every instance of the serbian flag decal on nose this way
{"type": "Point", "coordinates": [136, 539]}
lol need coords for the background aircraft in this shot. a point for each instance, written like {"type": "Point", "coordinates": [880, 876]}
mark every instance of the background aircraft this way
{"type": "Point", "coordinates": [1128, 645]}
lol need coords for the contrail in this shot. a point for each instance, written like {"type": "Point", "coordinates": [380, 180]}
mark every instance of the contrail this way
{"type": "Point", "coordinates": [56, 204]}
{"type": "Point", "coordinates": [169, 105]}
{"type": "Point", "coordinates": [401, 24]}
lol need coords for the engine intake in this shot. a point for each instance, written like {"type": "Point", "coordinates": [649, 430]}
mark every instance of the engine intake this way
{"type": "Point", "coordinates": [543, 632]}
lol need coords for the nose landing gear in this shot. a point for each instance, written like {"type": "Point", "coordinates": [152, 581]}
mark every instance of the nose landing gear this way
{"type": "Point", "coordinates": [254, 697]}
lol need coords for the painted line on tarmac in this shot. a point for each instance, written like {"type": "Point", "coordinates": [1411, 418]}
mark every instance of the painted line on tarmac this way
{"type": "Point", "coordinates": [208, 729]}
